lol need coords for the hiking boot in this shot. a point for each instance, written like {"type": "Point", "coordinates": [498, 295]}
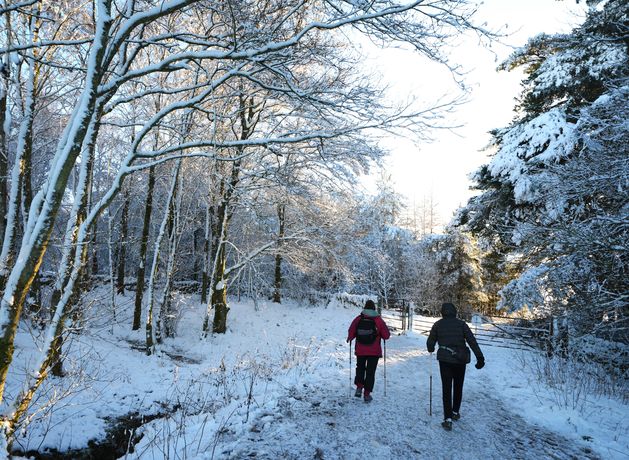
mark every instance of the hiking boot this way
{"type": "Point", "coordinates": [447, 424]}
{"type": "Point", "coordinates": [359, 392]}
{"type": "Point", "coordinates": [368, 397]}
{"type": "Point", "coordinates": [456, 416]}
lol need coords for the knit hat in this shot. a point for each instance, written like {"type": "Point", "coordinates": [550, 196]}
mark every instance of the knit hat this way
{"type": "Point", "coordinates": [369, 305]}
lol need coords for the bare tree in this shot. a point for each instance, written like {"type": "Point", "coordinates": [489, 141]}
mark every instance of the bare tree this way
{"type": "Point", "coordinates": [318, 104]}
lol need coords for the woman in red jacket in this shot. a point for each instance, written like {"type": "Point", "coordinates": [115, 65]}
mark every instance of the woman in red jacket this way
{"type": "Point", "coordinates": [368, 329]}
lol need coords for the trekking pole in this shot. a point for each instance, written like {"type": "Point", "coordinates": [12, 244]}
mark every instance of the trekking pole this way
{"type": "Point", "coordinates": [385, 368]}
{"type": "Point", "coordinates": [430, 407]}
{"type": "Point", "coordinates": [350, 368]}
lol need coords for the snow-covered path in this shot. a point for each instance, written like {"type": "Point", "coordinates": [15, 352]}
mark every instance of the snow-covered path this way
{"type": "Point", "coordinates": [293, 362]}
{"type": "Point", "coordinates": [328, 423]}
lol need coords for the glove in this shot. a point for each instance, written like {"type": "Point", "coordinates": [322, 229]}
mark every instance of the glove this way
{"type": "Point", "coordinates": [480, 363]}
{"type": "Point", "coordinates": [347, 340]}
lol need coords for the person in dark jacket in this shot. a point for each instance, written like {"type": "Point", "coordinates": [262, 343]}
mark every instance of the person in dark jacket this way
{"type": "Point", "coordinates": [367, 354]}
{"type": "Point", "coordinates": [451, 334]}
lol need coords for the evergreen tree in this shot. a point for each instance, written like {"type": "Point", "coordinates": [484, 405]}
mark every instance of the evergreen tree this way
{"type": "Point", "coordinates": [554, 196]}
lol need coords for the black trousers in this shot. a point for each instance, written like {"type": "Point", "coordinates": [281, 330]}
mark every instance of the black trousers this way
{"type": "Point", "coordinates": [452, 377]}
{"type": "Point", "coordinates": [366, 371]}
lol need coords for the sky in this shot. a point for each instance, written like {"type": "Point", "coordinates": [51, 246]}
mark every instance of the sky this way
{"type": "Point", "coordinates": [441, 168]}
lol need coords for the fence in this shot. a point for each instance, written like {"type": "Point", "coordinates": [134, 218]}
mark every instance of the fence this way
{"type": "Point", "coordinates": [513, 333]}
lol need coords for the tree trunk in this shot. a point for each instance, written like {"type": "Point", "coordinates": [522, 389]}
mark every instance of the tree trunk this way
{"type": "Point", "coordinates": [20, 168]}
{"type": "Point", "coordinates": [5, 122]}
{"type": "Point", "coordinates": [219, 294]}
{"type": "Point", "coordinates": [21, 194]}
{"type": "Point", "coordinates": [122, 244]}
{"type": "Point", "coordinates": [281, 216]}
{"type": "Point", "coordinates": [248, 117]}
{"type": "Point", "coordinates": [94, 245]}
{"type": "Point", "coordinates": [195, 254]}
{"type": "Point", "coordinates": [164, 324]}
{"type": "Point", "coordinates": [218, 267]}
{"type": "Point", "coordinates": [218, 299]}
{"type": "Point", "coordinates": [46, 204]}
{"type": "Point", "coordinates": [205, 276]}
{"type": "Point", "coordinates": [4, 152]}
{"type": "Point", "coordinates": [22, 402]}
{"type": "Point", "coordinates": [63, 298]}
{"type": "Point", "coordinates": [110, 263]}
{"type": "Point", "coordinates": [76, 218]}
{"type": "Point", "coordinates": [26, 168]}
{"type": "Point", "coordinates": [146, 227]}
{"type": "Point", "coordinates": [150, 331]}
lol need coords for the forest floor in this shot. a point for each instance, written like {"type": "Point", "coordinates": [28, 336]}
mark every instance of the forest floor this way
{"type": "Point", "coordinates": [277, 385]}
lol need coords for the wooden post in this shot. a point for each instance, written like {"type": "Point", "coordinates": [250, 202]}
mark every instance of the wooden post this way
{"type": "Point", "coordinates": [549, 341]}
{"type": "Point", "coordinates": [404, 316]}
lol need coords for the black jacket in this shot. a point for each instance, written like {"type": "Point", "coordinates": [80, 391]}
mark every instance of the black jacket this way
{"type": "Point", "coordinates": [452, 333]}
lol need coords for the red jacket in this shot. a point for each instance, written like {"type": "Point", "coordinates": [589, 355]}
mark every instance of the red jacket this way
{"type": "Point", "coordinates": [373, 349]}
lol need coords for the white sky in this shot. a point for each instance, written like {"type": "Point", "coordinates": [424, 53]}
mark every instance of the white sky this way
{"type": "Point", "coordinates": [441, 168]}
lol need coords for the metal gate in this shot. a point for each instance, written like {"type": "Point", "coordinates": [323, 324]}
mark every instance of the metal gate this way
{"type": "Point", "coordinates": [496, 331]}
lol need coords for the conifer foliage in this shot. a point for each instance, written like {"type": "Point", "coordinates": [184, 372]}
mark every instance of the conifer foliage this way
{"type": "Point", "coordinates": [555, 195]}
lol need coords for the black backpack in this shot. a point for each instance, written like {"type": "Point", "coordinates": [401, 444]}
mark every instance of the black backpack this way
{"type": "Point", "coordinates": [366, 331]}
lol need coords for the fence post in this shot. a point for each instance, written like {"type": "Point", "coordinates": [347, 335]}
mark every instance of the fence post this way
{"type": "Point", "coordinates": [404, 316]}
{"type": "Point", "coordinates": [476, 320]}
{"type": "Point", "coordinates": [551, 334]}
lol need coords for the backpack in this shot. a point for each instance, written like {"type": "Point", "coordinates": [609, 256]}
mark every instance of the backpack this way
{"type": "Point", "coordinates": [366, 331]}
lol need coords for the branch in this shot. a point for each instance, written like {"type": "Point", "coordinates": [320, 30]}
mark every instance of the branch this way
{"type": "Point", "coordinates": [45, 44]}
{"type": "Point", "coordinates": [251, 53]}
{"type": "Point", "coordinates": [141, 18]}
{"type": "Point", "coordinates": [17, 6]}
{"type": "Point", "coordinates": [256, 252]}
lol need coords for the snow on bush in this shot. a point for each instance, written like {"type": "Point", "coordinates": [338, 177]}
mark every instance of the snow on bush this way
{"type": "Point", "coordinates": [350, 300]}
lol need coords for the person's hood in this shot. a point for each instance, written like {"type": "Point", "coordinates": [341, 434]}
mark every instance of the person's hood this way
{"type": "Point", "coordinates": [369, 312]}
{"type": "Point", "coordinates": [448, 310]}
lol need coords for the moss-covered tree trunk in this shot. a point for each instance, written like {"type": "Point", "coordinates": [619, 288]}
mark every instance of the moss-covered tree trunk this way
{"type": "Point", "coordinates": [218, 299]}
{"type": "Point", "coordinates": [78, 215]}
{"type": "Point", "coordinates": [219, 295]}
{"type": "Point", "coordinates": [46, 206]}
{"type": "Point", "coordinates": [248, 116]}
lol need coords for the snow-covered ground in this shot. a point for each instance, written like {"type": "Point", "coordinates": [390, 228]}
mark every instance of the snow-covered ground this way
{"type": "Point", "coordinates": [277, 385]}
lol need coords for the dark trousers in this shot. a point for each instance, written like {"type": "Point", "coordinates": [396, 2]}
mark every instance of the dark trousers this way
{"type": "Point", "coordinates": [366, 371]}
{"type": "Point", "coordinates": [452, 377]}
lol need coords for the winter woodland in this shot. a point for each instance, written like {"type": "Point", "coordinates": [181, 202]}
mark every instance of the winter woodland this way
{"type": "Point", "coordinates": [185, 238]}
